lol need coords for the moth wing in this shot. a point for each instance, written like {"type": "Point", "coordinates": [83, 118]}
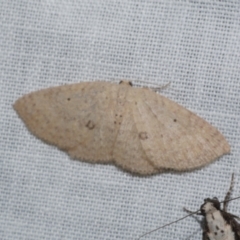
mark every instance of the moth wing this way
{"type": "Point", "coordinates": [128, 152]}
{"type": "Point", "coordinates": [230, 218]}
{"type": "Point", "coordinates": [171, 136]}
{"type": "Point", "coordinates": [77, 118]}
{"type": "Point", "coordinates": [205, 236]}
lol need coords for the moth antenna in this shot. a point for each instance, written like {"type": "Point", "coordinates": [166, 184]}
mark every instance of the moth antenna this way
{"type": "Point", "coordinates": [227, 201]}
{"type": "Point", "coordinates": [168, 224]}
{"type": "Point", "coordinates": [157, 88]}
{"type": "Point", "coordinates": [228, 195]}
{"type": "Point", "coordinates": [231, 199]}
{"type": "Point", "coordinates": [191, 212]}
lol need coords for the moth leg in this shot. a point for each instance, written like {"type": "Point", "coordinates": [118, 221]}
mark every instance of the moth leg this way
{"type": "Point", "coordinates": [228, 195]}
{"type": "Point", "coordinates": [191, 212]}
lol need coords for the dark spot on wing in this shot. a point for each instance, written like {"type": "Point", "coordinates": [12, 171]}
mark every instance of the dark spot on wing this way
{"type": "Point", "coordinates": [143, 135]}
{"type": "Point", "coordinates": [90, 125]}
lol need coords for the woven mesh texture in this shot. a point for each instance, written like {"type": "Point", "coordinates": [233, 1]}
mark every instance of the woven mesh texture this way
{"type": "Point", "coordinates": [194, 45]}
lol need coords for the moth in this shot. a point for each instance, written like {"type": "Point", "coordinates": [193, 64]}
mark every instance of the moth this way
{"type": "Point", "coordinates": [217, 223]}
{"type": "Point", "coordinates": [137, 129]}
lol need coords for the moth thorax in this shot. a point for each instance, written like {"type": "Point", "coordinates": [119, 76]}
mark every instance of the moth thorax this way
{"type": "Point", "coordinates": [218, 228]}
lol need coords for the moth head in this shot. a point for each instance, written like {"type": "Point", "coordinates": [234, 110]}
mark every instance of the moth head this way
{"type": "Point", "coordinates": [210, 205]}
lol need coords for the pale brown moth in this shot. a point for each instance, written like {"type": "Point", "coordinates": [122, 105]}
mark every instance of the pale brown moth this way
{"type": "Point", "coordinates": [135, 128]}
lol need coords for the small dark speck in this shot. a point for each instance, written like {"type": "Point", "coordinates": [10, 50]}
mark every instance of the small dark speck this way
{"type": "Point", "coordinates": [69, 99]}
{"type": "Point", "coordinates": [143, 135]}
{"type": "Point", "coordinates": [120, 115]}
{"type": "Point", "coordinates": [115, 122]}
{"type": "Point", "coordinates": [175, 120]}
{"type": "Point", "coordinates": [116, 115]}
{"type": "Point", "coordinates": [215, 233]}
{"type": "Point", "coordinates": [90, 125]}
{"type": "Point", "coordinates": [222, 231]}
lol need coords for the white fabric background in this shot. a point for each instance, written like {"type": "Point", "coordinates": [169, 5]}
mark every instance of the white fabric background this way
{"type": "Point", "coordinates": [195, 45]}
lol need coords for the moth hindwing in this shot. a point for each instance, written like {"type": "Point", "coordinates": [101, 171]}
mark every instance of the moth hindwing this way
{"type": "Point", "coordinates": [218, 224]}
